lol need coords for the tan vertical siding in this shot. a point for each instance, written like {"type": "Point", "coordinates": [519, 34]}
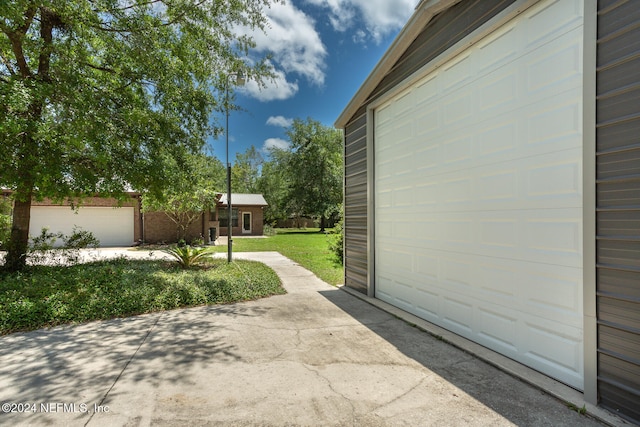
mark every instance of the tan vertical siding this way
{"type": "Point", "coordinates": [355, 206]}
{"type": "Point", "coordinates": [618, 206]}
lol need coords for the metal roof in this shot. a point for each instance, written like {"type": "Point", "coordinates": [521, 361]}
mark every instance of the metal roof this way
{"type": "Point", "coordinates": [238, 199]}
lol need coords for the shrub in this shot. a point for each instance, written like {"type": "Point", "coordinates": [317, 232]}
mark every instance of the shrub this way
{"type": "Point", "coordinates": [198, 241]}
{"type": "Point", "coordinates": [42, 249]}
{"type": "Point", "coordinates": [336, 241]}
{"type": "Point", "coordinates": [268, 230]}
{"type": "Point", "coordinates": [53, 295]}
{"type": "Point", "coordinates": [188, 256]}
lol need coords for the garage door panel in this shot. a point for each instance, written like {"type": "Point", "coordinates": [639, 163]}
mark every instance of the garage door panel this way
{"type": "Point", "coordinates": [550, 181]}
{"type": "Point", "coordinates": [496, 138]}
{"type": "Point", "coordinates": [499, 93]}
{"type": "Point", "coordinates": [456, 109]}
{"type": "Point", "coordinates": [553, 292]}
{"type": "Point", "coordinates": [499, 327]}
{"type": "Point", "coordinates": [111, 226]}
{"type": "Point", "coordinates": [427, 306]}
{"type": "Point", "coordinates": [456, 73]}
{"type": "Point", "coordinates": [479, 209]}
{"type": "Point", "coordinates": [559, 67]}
{"type": "Point", "coordinates": [498, 49]}
{"type": "Point", "coordinates": [554, 240]}
{"type": "Point", "coordinates": [521, 136]}
{"type": "Point", "coordinates": [457, 314]}
{"type": "Point", "coordinates": [524, 82]}
{"type": "Point", "coordinates": [556, 178]}
{"type": "Point", "coordinates": [555, 349]}
{"type": "Point", "coordinates": [548, 124]}
{"type": "Point", "coordinates": [550, 237]}
{"type": "Point", "coordinates": [394, 292]}
{"type": "Point", "coordinates": [544, 21]}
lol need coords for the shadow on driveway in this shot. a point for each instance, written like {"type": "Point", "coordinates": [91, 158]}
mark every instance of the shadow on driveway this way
{"type": "Point", "coordinates": [518, 402]}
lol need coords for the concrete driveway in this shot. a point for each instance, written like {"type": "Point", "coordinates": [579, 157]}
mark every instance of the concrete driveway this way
{"type": "Point", "coordinates": [315, 356]}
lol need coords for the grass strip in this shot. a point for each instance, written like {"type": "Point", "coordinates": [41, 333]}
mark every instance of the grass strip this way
{"type": "Point", "coordinates": [308, 247]}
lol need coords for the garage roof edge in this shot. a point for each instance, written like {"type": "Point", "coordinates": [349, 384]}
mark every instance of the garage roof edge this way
{"type": "Point", "coordinates": [423, 14]}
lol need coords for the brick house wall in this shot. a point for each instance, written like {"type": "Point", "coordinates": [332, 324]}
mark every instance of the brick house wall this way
{"type": "Point", "coordinates": [257, 221]}
{"type": "Point", "coordinates": [159, 228]}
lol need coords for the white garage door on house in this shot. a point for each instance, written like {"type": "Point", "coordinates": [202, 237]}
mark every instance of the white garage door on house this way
{"type": "Point", "coordinates": [478, 192]}
{"type": "Point", "coordinates": [112, 226]}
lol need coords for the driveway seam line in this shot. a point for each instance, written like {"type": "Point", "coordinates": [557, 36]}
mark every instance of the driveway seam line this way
{"type": "Point", "coordinates": [126, 365]}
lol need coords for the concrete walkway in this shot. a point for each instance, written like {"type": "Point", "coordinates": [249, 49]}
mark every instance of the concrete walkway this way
{"type": "Point", "coordinates": [315, 356]}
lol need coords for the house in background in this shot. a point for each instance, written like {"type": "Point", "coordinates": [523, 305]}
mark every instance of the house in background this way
{"type": "Point", "coordinates": [247, 220]}
{"type": "Point", "coordinates": [492, 184]}
{"type": "Point", "coordinates": [123, 223]}
{"type": "Point", "coordinates": [247, 214]}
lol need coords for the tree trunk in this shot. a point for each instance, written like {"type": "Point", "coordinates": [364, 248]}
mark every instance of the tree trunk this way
{"type": "Point", "coordinates": [322, 223]}
{"type": "Point", "coordinates": [16, 259]}
{"type": "Point", "coordinates": [19, 241]}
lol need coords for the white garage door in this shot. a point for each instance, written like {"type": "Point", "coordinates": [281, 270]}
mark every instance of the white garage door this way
{"type": "Point", "coordinates": [478, 192]}
{"type": "Point", "coordinates": [112, 226]}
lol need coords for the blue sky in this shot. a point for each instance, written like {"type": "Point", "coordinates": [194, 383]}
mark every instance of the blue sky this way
{"type": "Point", "coordinates": [322, 52]}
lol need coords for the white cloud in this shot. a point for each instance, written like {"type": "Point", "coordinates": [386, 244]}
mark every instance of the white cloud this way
{"type": "Point", "coordinates": [360, 36]}
{"type": "Point", "coordinates": [272, 143]}
{"type": "Point", "coordinates": [277, 89]}
{"type": "Point", "coordinates": [293, 42]}
{"type": "Point", "coordinates": [280, 121]}
{"type": "Point", "coordinates": [380, 17]}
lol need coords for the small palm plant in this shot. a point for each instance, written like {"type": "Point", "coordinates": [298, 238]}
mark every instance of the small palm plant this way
{"type": "Point", "coordinates": [188, 256]}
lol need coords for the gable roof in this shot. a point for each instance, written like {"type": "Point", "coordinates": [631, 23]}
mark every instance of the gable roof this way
{"type": "Point", "coordinates": [238, 199]}
{"type": "Point", "coordinates": [424, 12]}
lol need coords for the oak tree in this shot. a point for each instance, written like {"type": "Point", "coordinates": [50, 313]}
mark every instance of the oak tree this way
{"type": "Point", "coordinates": [310, 170]}
{"type": "Point", "coordinates": [95, 95]}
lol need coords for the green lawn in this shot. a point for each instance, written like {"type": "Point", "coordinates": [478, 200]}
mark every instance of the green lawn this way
{"type": "Point", "coordinates": [45, 296]}
{"type": "Point", "coordinates": [308, 247]}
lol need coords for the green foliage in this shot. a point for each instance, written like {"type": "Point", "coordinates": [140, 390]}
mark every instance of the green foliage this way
{"type": "Point", "coordinates": [316, 168]}
{"type": "Point", "coordinates": [573, 407]}
{"type": "Point", "coordinates": [336, 240]}
{"type": "Point", "coordinates": [306, 178]}
{"type": "Point", "coordinates": [98, 96]}
{"type": "Point", "coordinates": [245, 171]}
{"type": "Point", "coordinates": [5, 220]}
{"type": "Point", "coordinates": [47, 296]}
{"type": "Point", "coordinates": [189, 256]}
{"type": "Point", "coordinates": [198, 241]}
{"type": "Point", "coordinates": [268, 230]}
{"type": "Point", "coordinates": [189, 192]}
{"type": "Point", "coordinates": [274, 186]}
{"type": "Point", "coordinates": [43, 249]}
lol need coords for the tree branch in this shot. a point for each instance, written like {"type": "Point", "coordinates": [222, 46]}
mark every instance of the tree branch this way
{"type": "Point", "coordinates": [46, 34]}
{"type": "Point", "coordinates": [7, 64]}
{"type": "Point", "coordinates": [16, 36]}
{"type": "Point", "coordinates": [101, 26]}
{"type": "Point", "coordinates": [98, 68]}
{"type": "Point", "coordinates": [127, 7]}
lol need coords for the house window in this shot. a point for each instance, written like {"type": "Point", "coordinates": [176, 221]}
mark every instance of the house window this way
{"type": "Point", "coordinates": [223, 214]}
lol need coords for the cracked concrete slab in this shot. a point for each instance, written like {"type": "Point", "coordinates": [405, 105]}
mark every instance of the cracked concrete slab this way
{"type": "Point", "coordinates": [315, 356]}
